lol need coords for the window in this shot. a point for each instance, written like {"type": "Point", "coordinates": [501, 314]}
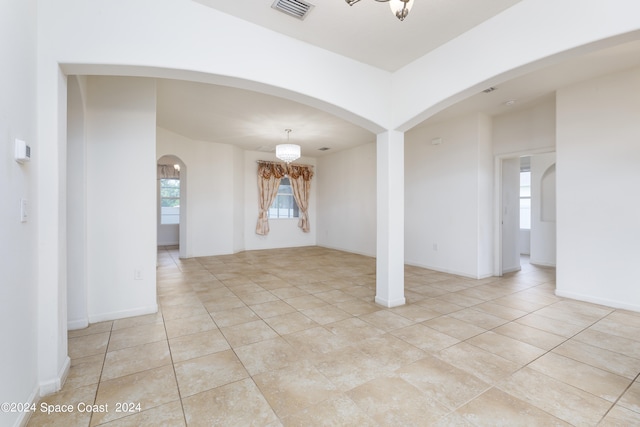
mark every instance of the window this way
{"type": "Point", "coordinates": [525, 200]}
{"type": "Point", "coordinates": [169, 201]}
{"type": "Point", "coordinates": [284, 205]}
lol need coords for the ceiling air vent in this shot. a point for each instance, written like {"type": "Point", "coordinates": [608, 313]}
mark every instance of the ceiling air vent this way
{"type": "Point", "coordinates": [296, 8]}
{"type": "Point", "coordinates": [324, 148]}
{"type": "Point", "coordinates": [489, 90]}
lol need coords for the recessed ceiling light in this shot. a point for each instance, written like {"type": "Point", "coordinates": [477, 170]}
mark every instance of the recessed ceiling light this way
{"type": "Point", "coordinates": [510, 102]}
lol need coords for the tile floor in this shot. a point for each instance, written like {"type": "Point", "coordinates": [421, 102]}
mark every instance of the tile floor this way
{"type": "Point", "coordinates": [291, 337]}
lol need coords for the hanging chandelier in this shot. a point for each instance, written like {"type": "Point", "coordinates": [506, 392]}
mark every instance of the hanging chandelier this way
{"type": "Point", "coordinates": [287, 152]}
{"type": "Point", "coordinates": [400, 8]}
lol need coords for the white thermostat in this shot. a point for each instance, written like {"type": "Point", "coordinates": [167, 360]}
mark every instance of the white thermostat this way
{"type": "Point", "coordinates": [23, 151]}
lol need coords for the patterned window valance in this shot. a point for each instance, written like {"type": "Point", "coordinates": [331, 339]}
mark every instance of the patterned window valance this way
{"type": "Point", "coordinates": [168, 172]}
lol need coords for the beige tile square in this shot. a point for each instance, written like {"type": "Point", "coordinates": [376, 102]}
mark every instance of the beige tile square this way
{"type": "Point", "coordinates": [290, 323]}
{"type": "Point", "coordinates": [248, 333]}
{"type": "Point", "coordinates": [610, 342]}
{"type": "Point", "coordinates": [600, 383]}
{"type": "Point", "coordinates": [620, 417]}
{"type": "Point", "coordinates": [294, 388]}
{"type": "Point", "coordinates": [631, 398]}
{"type": "Point", "coordinates": [335, 411]}
{"type": "Point", "coordinates": [507, 348]}
{"type": "Point", "coordinates": [305, 302]}
{"type": "Point", "coordinates": [137, 321]}
{"type": "Point", "coordinates": [530, 335]}
{"type": "Point", "coordinates": [478, 318]}
{"type": "Point", "coordinates": [136, 335]}
{"type": "Point", "coordinates": [564, 401]}
{"type": "Point", "coordinates": [454, 327]}
{"type": "Point", "coordinates": [607, 360]}
{"type": "Point", "coordinates": [393, 401]}
{"type": "Point", "coordinates": [386, 320]}
{"type": "Point", "coordinates": [557, 327]}
{"type": "Point", "coordinates": [325, 314]}
{"type": "Point", "coordinates": [353, 330]}
{"type": "Point", "coordinates": [425, 338]}
{"type": "Point", "coordinates": [489, 367]}
{"type": "Point", "coordinates": [74, 397]}
{"type": "Point", "coordinates": [272, 308]}
{"type": "Point", "coordinates": [447, 384]}
{"type": "Point", "coordinates": [207, 372]}
{"type": "Point", "coordinates": [88, 345]}
{"type": "Point", "coordinates": [94, 328]}
{"type": "Point", "coordinates": [501, 311]}
{"type": "Point", "coordinates": [129, 360]}
{"type": "Point", "coordinates": [150, 388]}
{"type": "Point", "coordinates": [390, 351]}
{"type": "Point", "coordinates": [268, 355]}
{"type": "Point", "coordinates": [257, 297]}
{"type": "Point", "coordinates": [415, 312]}
{"type": "Point", "coordinates": [234, 316]}
{"type": "Point", "coordinates": [169, 414]}
{"type": "Point", "coordinates": [189, 309]}
{"type": "Point", "coordinates": [223, 303]}
{"type": "Point", "coordinates": [237, 404]}
{"type": "Point", "coordinates": [191, 346]}
{"type": "Point", "coordinates": [357, 307]}
{"type": "Point", "coordinates": [189, 325]}
{"type": "Point", "coordinates": [495, 408]}
{"type": "Point", "coordinates": [84, 371]}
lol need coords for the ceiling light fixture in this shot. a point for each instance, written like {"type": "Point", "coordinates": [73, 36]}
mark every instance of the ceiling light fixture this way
{"type": "Point", "coordinates": [400, 8]}
{"type": "Point", "coordinates": [287, 152]}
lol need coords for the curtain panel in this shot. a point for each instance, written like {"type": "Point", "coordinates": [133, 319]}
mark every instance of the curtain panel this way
{"type": "Point", "coordinates": [269, 176]}
{"type": "Point", "coordinates": [300, 179]}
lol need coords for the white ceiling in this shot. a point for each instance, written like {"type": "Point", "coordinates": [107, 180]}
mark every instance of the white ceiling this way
{"type": "Point", "coordinates": [257, 121]}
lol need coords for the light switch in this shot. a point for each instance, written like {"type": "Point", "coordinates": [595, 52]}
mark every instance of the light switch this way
{"type": "Point", "coordinates": [23, 210]}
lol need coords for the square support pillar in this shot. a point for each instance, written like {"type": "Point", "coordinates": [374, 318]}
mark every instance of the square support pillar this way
{"type": "Point", "coordinates": [390, 219]}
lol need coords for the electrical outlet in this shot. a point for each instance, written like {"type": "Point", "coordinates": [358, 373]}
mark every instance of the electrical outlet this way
{"type": "Point", "coordinates": [435, 247]}
{"type": "Point", "coordinates": [137, 274]}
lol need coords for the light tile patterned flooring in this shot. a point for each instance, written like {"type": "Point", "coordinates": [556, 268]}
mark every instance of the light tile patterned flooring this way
{"type": "Point", "coordinates": [291, 337]}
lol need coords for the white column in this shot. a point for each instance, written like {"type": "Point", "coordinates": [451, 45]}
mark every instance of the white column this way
{"type": "Point", "coordinates": [390, 217]}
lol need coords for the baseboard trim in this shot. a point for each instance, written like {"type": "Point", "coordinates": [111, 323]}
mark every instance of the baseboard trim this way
{"type": "Point", "coordinates": [444, 270]}
{"type": "Point", "coordinates": [55, 384]}
{"type": "Point", "coordinates": [77, 324]}
{"type": "Point", "coordinates": [390, 304]}
{"type": "Point", "coordinates": [24, 417]}
{"type": "Point", "coordinates": [114, 315]}
{"type": "Point", "coordinates": [596, 300]}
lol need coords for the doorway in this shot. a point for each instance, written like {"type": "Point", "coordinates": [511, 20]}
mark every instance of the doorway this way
{"type": "Point", "coordinates": [525, 220]}
{"type": "Point", "coordinates": [171, 198]}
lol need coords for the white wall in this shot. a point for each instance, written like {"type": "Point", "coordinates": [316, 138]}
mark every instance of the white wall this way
{"type": "Point", "coordinates": [210, 193]}
{"type": "Point", "coordinates": [18, 244]}
{"type": "Point", "coordinates": [448, 194]}
{"type": "Point", "coordinates": [77, 287]}
{"type": "Point", "coordinates": [346, 183]}
{"type": "Point", "coordinates": [526, 131]}
{"type": "Point", "coordinates": [511, 215]}
{"type": "Point", "coordinates": [543, 200]}
{"type": "Point", "coordinates": [283, 233]}
{"type": "Point", "coordinates": [597, 185]}
{"type": "Point", "coordinates": [121, 197]}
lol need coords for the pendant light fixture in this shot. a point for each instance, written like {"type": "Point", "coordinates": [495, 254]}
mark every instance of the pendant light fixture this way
{"type": "Point", "coordinates": [288, 152]}
{"type": "Point", "coordinates": [400, 8]}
